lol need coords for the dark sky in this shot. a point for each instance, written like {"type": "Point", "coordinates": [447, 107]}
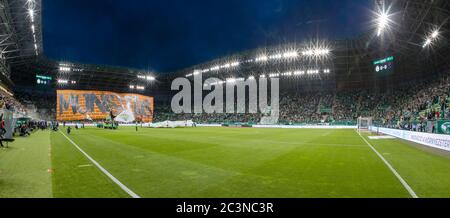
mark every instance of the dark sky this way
{"type": "Point", "coordinates": [168, 35]}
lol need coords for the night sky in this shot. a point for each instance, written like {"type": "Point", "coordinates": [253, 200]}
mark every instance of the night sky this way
{"type": "Point", "coordinates": [168, 35]}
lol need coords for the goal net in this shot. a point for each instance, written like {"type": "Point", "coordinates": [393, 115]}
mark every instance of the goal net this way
{"type": "Point", "coordinates": [364, 124]}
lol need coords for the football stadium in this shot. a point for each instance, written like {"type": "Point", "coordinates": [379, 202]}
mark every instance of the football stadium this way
{"type": "Point", "coordinates": [319, 116]}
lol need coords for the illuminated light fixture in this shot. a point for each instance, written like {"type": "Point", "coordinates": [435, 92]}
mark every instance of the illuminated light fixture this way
{"type": "Point", "coordinates": [140, 87]}
{"type": "Point", "coordinates": [427, 42]}
{"type": "Point", "coordinates": [435, 34]}
{"type": "Point", "coordinates": [31, 13]}
{"type": "Point", "coordinates": [326, 71]}
{"type": "Point", "coordinates": [382, 20]}
{"type": "Point", "coordinates": [132, 87]}
{"type": "Point", "coordinates": [276, 56]}
{"type": "Point", "coordinates": [189, 75]}
{"type": "Point", "coordinates": [251, 77]}
{"type": "Point", "coordinates": [261, 58]}
{"type": "Point", "coordinates": [73, 82]}
{"type": "Point", "coordinates": [312, 71]}
{"type": "Point", "coordinates": [215, 68]}
{"type": "Point", "coordinates": [263, 76]}
{"type": "Point", "coordinates": [235, 64]}
{"type": "Point", "coordinates": [287, 74]}
{"type": "Point", "coordinates": [274, 75]}
{"type": "Point", "coordinates": [316, 52]}
{"type": "Point", "coordinates": [64, 69]}
{"type": "Point", "coordinates": [196, 72]}
{"type": "Point", "coordinates": [63, 81]}
{"type": "Point", "coordinates": [290, 54]}
{"type": "Point", "coordinates": [298, 72]}
{"type": "Point", "coordinates": [308, 53]}
{"type": "Point", "coordinates": [150, 78]}
{"type": "Point", "coordinates": [226, 66]}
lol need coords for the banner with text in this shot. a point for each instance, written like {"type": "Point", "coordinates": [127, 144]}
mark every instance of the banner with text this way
{"type": "Point", "coordinates": [433, 140]}
{"type": "Point", "coordinates": [78, 105]}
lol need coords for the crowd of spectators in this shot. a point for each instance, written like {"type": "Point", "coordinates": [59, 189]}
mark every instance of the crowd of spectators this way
{"type": "Point", "coordinates": [409, 104]}
{"type": "Point", "coordinates": [8, 102]}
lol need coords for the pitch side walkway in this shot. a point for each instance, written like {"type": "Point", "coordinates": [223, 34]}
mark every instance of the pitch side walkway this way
{"type": "Point", "coordinates": [25, 167]}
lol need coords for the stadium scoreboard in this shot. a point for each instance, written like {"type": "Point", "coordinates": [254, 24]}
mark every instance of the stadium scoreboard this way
{"type": "Point", "coordinates": [43, 80]}
{"type": "Point", "coordinates": [384, 66]}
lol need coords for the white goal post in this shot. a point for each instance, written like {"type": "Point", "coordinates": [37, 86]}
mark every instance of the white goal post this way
{"type": "Point", "coordinates": [364, 124]}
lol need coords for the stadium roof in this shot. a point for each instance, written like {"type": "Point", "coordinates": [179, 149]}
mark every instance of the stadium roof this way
{"type": "Point", "coordinates": [21, 32]}
{"type": "Point", "coordinates": [415, 32]}
{"type": "Point", "coordinates": [411, 24]}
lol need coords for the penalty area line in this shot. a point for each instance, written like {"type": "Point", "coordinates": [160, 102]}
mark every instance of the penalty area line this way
{"type": "Point", "coordinates": [109, 175]}
{"type": "Point", "coordinates": [402, 181]}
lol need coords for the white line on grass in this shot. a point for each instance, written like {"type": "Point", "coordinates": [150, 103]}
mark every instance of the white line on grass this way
{"type": "Point", "coordinates": [114, 179]}
{"type": "Point", "coordinates": [407, 187]}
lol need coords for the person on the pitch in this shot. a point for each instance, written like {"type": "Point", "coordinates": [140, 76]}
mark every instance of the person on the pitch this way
{"type": "Point", "coordinates": [69, 129]}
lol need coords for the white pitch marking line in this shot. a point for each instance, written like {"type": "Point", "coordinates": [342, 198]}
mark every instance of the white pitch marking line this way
{"type": "Point", "coordinates": [114, 179]}
{"type": "Point", "coordinates": [407, 187]}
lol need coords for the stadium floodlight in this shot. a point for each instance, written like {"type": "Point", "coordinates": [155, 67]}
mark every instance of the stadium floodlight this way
{"type": "Point", "coordinates": [62, 69]}
{"type": "Point", "coordinates": [150, 78]}
{"type": "Point", "coordinates": [31, 12]}
{"type": "Point", "coordinates": [215, 68]}
{"type": "Point", "coordinates": [293, 54]}
{"type": "Point", "coordinates": [262, 58]}
{"type": "Point", "coordinates": [383, 19]}
{"type": "Point", "coordinates": [262, 76]}
{"type": "Point", "coordinates": [62, 81]}
{"type": "Point", "coordinates": [276, 56]}
{"type": "Point", "coordinates": [251, 77]}
{"type": "Point", "coordinates": [235, 64]}
{"type": "Point", "coordinates": [298, 72]}
{"type": "Point", "coordinates": [274, 75]}
{"type": "Point", "coordinates": [435, 34]}
{"type": "Point", "coordinates": [427, 42]}
{"type": "Point", "coordinates": [131, 86]}
{"type": "Point", "coordinates": [287, 73]}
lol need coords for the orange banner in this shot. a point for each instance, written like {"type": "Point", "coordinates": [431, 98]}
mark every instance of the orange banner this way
{"type": "Point", "coordinates": [77, 105]}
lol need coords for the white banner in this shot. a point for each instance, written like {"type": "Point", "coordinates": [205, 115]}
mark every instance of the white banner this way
{"type": "Point", "coordinates": [428, 139]}
{"type": "Point", "coordinates": [304, 127]}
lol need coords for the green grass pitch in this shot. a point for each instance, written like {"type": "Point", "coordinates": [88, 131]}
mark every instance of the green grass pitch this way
{"type": "Point", "coordinates": [219, 162]}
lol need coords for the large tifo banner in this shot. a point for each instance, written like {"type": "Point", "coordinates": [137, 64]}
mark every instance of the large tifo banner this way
{"type": "Point", "coordinates": [432, 140]}
{"type": "Point", "coordinates": [77, 105]}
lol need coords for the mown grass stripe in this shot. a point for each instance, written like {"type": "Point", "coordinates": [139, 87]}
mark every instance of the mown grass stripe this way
{"type": "Point", "coordinates": [399, 177]}
{"type": "Point", "coordinates": [108, 174]}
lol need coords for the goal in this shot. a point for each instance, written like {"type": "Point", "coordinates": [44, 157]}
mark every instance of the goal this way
{"type": "Point", "coordinates": [364, 124]}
